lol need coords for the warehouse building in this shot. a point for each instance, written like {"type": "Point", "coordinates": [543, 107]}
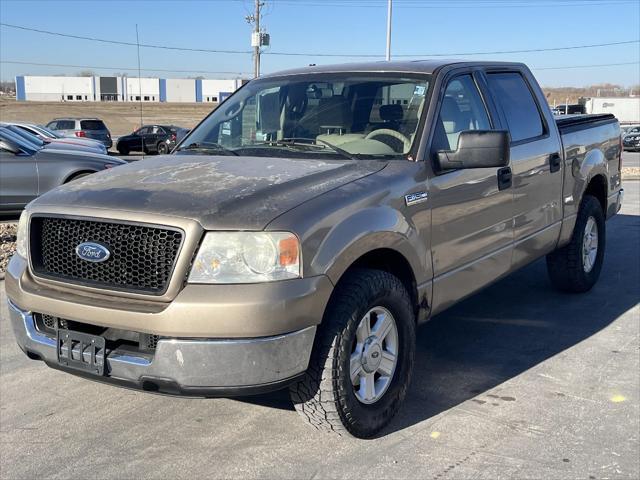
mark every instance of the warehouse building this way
{"type": "Point", "coordinates": [123, 89]}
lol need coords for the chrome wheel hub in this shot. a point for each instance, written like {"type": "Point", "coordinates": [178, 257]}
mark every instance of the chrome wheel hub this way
{"type": "Point", "coordinates": [374, 355]}
{"type": "Point", "coordinates": [590, 245]}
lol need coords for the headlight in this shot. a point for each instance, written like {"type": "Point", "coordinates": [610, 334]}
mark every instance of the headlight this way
{"type": "Point", "coordinates": [246, 257]}
{"type": "Point", "coordinates": [22, 240]}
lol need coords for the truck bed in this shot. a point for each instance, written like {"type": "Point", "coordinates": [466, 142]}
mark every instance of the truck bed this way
{"type": "Point", "coordinates": [572, 123]}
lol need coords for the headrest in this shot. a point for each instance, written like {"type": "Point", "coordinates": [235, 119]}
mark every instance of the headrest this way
{"type": "Point", "coordinates": [391, 112]}
{"type": "Point", "coordinates": [333, 112]}
{"type": "Point", "coordinates": [451, 116]}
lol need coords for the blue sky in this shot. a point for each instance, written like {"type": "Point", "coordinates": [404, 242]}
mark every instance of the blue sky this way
{"type": "Point", "coordinates": [327, 26]}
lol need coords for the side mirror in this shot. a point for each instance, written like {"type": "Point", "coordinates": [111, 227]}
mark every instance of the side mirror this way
{"type": "Point", "coordinates": [477, 149]}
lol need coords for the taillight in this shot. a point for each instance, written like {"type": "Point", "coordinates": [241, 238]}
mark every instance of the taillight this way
{"type": "Point", "coordinates": [81, 134]}
{"type": "Point", "coordinates": [173, 137]}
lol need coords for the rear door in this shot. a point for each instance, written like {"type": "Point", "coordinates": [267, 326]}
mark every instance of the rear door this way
{"type": "Point", "coordinates": [66, 127]}
{"type": "Point", "coordinates": [472, 233]}
{"type": "Point", "coordinates": [536, 161]}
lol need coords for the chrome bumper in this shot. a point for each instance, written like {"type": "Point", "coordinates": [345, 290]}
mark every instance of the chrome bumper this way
{"type": "Point", "coordinates": [189, 367]}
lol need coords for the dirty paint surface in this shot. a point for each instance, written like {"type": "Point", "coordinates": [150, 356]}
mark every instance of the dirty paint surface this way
{"type": "Point", "coordinates": [220, 192]}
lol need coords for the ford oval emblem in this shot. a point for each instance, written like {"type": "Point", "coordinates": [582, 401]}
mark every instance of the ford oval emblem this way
{"type": "Point", "coordinates": [92, 252]}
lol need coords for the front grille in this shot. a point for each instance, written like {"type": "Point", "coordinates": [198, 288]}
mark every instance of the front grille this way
{"type": "Point", "coordinates": [141, 261]}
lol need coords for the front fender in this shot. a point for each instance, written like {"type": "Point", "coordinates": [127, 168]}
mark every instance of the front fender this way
{"type": "Point", "coordinates": [367, 230]}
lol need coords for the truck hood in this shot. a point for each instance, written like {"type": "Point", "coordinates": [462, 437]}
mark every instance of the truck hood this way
{"type": "Point", "coordinates": [220, 192]}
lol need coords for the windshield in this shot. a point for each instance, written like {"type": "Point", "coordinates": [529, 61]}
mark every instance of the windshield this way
{"type": "Point", "coordinates": [28, 137]}
{"type": "Point", "coordinates": [348, 115]}
{"type": "Point", "coordinates": [47, 132]}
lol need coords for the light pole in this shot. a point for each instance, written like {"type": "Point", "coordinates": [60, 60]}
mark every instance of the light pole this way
{"type": "Point", "coordinates": [389, 12]}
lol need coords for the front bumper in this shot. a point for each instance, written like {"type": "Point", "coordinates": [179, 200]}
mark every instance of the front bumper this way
{"type": "Point", "coordinates": [200, 367]}
{"type": "Point", "coordinates": [197, 311]}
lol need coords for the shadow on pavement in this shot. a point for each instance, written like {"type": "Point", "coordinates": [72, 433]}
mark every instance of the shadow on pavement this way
{"type": "Point", "coordinates": [509, 328]}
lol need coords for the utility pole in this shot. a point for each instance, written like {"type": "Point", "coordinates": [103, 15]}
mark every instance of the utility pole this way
{"type": "Point", "coordinates": [257, 38]}
{"type": "Point", "coordinates": [389, 12]}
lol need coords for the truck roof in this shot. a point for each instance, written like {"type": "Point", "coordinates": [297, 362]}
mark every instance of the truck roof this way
{"type": "Point", "coordinates": [395, 66]}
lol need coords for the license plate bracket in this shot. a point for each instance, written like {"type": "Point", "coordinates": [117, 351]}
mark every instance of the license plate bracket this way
{"type": "Point", "coordinates": [81, 351]}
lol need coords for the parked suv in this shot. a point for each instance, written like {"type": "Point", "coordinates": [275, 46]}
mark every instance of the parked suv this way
{"type": "Point", "coordinates": [149, 139]}
{"type": "Point", "coordinates": [83, 127]}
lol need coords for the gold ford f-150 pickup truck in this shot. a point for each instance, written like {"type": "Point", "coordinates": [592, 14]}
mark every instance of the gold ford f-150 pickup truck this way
{"type": "Point", "coordinates": [299, 234]}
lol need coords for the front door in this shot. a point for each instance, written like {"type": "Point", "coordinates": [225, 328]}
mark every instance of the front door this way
{"type": "Point", "coordinates": [472, 217]}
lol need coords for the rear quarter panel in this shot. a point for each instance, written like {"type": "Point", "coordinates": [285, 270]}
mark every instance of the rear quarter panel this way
{"type": "Point", "coordinates": [56, 169]}
{"type": "Point", "coordinates": [588, 153]}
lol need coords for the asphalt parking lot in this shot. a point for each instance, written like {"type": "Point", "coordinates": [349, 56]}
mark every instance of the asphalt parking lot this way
{"type": "Point", "coordinates": [518, 381]}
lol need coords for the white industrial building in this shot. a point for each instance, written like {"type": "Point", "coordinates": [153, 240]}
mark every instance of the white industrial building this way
{"type": "Point", "coordinates": [181, 90]}
{"type": "Point", "coordinates": [56, 89]}
{"type": "Point", "coordinates": [142, 89]}
{"type": "Point", "coordinates": [123, 89]}
{"type": "Point", "coordinates": [218, 90]}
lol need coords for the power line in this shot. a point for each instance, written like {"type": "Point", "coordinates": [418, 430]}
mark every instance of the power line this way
{"type": "Point", "coordinates": [586, 66]}
{"type": "Point", "coordinates": [94, 67]}
{"type": "Point", "coordinates": [448, 5]}
{"type": "Point", "coordinates": [308, 54]}
{"type": "Point", "coordinates": [119, 42]}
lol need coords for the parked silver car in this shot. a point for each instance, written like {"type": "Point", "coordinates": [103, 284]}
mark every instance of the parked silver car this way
{"type": "Point", "coordinates": [63, 143]}
{"type": "Point", "coordinates": [29, 171]}
{"type": "Point", "coordinates": [83, 128]}
{"type": "Point", "coordinates": [47, 135]}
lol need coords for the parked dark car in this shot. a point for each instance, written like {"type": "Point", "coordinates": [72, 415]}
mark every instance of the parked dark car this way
{"type": "Point", "coordinates": [631, 140]}
{"type": "Point", "coordinates": [84, 128]}
{"type": "Point", "coordinates": [151, 139]}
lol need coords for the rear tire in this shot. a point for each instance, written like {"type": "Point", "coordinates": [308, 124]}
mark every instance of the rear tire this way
{"type": "Point", "coordinates": [326, 396]}
{"type": "Point", "coordinates": [163, 149]}
{"type": "Point", "coordinates": [576, 267]}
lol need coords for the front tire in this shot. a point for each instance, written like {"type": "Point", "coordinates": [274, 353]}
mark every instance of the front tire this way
{"type": "Point", "coordinates": [123, 150]}
{"type": "Point", "coordinates": [576, 267]}
{"type": "Point", "coordinates": [362, 360]}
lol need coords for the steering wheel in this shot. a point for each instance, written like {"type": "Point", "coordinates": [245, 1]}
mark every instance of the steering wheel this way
{"type": "Point", "coordinates": [391, 133]}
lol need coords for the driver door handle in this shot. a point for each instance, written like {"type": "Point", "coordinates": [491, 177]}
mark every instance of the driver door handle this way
{"type": "Point", "coordinates": [504, 178]}
{"type": "Point", "coordinates": [555, 161]}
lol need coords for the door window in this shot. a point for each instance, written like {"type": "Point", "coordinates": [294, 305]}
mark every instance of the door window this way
{"type": "Point", "coordinates": [518, 105]}
{"type": "Point", "coordinates": [462, 109]}
{"type": "Point", "coordinates": [66, 125]}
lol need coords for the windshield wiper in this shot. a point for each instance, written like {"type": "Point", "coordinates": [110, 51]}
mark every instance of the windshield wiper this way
{"type": "Point", "coordinates": [311, 142]}
{"type": "Point", "coordinates": [207, 147]}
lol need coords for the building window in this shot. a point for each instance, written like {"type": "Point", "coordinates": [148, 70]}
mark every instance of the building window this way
{"type": "Point", "coordinates": [85, 97]}
{"type": "Point", "coordinates": [137, 98]}
{"type": "Point", "coordinates": [214, 99]}
{"type": "Point", "coordinates": [69, 97]}
{"type": "Point", "coordinates": [153, 98]}
{"type": "Point", "coordinates": [78, 97]}
{"type": "Point", "coordinates": [146, 98]}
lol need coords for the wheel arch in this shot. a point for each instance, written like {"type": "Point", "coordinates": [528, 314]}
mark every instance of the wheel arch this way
{"type": "Point", "coordinates": [74, 174]}
{"type": "Point", "coordinates": [597, 187]}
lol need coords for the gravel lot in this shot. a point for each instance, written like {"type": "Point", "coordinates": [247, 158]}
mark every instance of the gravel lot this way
{"type": "Point", "coordinates": [7, 244]}
{"type": "Point", "coordinates": [518, 381]}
